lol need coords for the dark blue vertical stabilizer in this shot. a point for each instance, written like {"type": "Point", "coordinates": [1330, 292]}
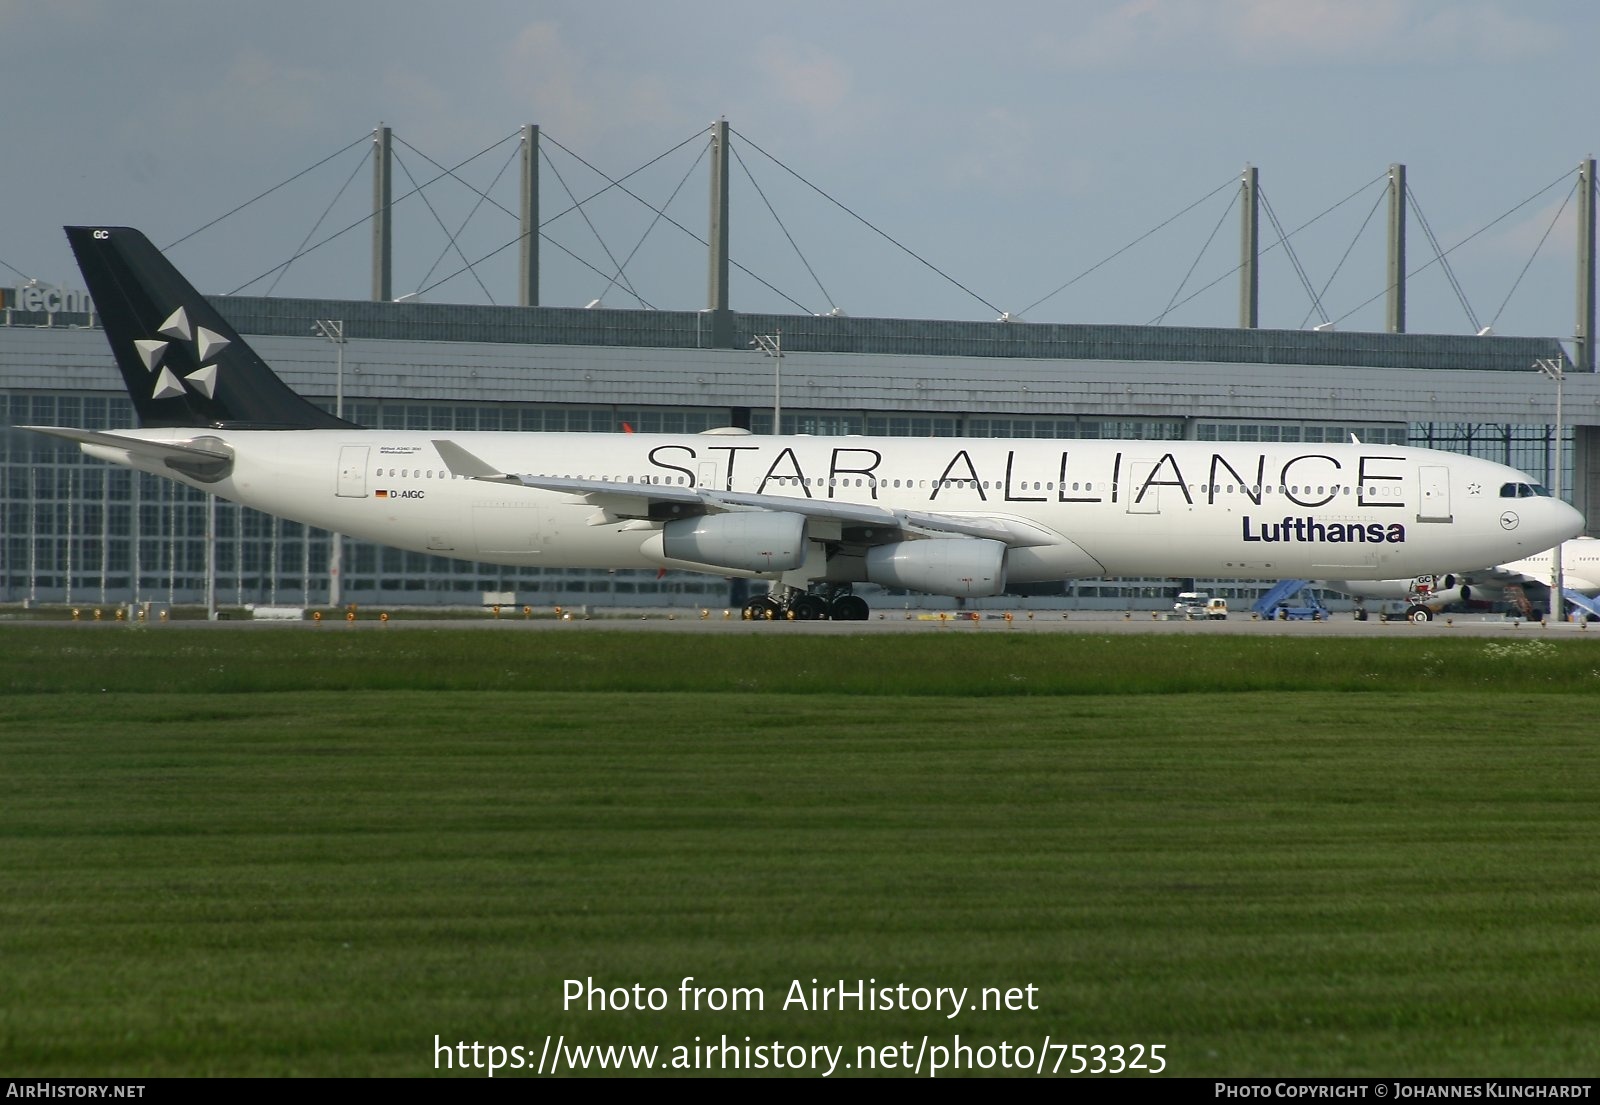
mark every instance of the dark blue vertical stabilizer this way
{"type": "Point", "coordinates": [182, 363]}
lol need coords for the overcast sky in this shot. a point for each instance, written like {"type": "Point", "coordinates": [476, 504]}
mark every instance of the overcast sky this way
{"type": "Point", "coordinates": [1007, 148]}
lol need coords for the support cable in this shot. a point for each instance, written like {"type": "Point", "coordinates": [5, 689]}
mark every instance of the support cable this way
{"type": "Point", "coordinates": [1105, 260]}
{"type": "Point", "coordinates": [1543, 238]}
{"type": "Point", "coordinates": [13, 268]}
{"type": "Point", "coordinates": [615, 182]}
{"type": "Point", "coordinates": [451, 172]}
{"type": "Point", "coordinates": [1373, 210]}
{"type": "Point", "coordinates": [1482, 229]}
{"type": "Point", "coordinates": [659, 211]}
{"type": "Point", "coordinates": [1294, 258]}
{"type": "Point", "coordinates": [359, 222]}
{"type": "Point", "coordinates": [668, 218]}
{"type": "Point", "coordinates": [583, 213]}
{"type": "Point", "coordinates": [1438, 252]}
{"type": "Point", "coordinates": [268, 192]}
{"type": "Point", "coordinates": [1321, 214]}
{"type": "Point", "coordinates": [612, 183]}
{"type": "Point", "coordinates": [483, 197]}
{"type": "Point", "coordinates": [1197, 258]}
{"type": "Point", "coordinates": [828, 299]}
{"type": "Point", "coordinates": [507, 245]}
{"type": "Point", "coordinates": [449, 237]}
{"type": "Point", "coordinates": [316, 225]}
{"type": "Point", "coordinates": [908, 252]}
{"type": "Point", "coordinates": [653, 222]}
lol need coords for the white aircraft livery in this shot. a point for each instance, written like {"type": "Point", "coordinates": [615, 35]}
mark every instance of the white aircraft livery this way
{"type": "Point", "coordinates": [814, 515]}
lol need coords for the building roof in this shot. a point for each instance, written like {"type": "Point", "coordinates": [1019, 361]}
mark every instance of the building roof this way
{"type": "Point", "coordinates": [916, 337]}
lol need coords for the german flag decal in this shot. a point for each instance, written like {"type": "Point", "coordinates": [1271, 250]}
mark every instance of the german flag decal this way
{"type": "Point", "coordinates": [381, 494]}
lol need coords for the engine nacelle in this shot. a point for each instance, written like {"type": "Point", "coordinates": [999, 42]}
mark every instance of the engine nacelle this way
{"type": "Point", "coordinates": [747, 541]}
{"type": "Point", "coordinates": [940, 567]}
{"type": "Point", "coordinates": [1439, 591]}
{"type": "Point", "coordinates": [1449, 597]}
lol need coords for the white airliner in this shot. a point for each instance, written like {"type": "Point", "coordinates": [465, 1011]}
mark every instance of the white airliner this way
{"type": "Point", "coordinates": [1426, 595]}
{"type": "Point", "coordinates": [958, 517]}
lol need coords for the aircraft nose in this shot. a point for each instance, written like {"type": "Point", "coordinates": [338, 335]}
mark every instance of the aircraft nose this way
{"type": "Point", "coordinates": [1565, 521]}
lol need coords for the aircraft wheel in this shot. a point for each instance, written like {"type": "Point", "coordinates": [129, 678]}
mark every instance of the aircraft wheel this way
{"type": "Point", "coordinates": [756, 609]}
{"type": "Point", "coordinates": [849, 608]}
{"type": "Point", "coordinates": [1420, 614]}
{"type": "Point", "coordinates": [809, 608]}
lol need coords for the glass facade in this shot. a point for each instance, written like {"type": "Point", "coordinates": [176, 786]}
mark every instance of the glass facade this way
{"type": "Point", "coordinates": [80, 530]}
{"type": "Point", "coordinates": [1396, 433]}
{"type": "Point", "coordinates": [1530, 449]}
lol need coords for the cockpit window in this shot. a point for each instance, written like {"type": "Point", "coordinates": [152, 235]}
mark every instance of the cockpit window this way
{"type": "Point", "coordinates": [1523, 491]}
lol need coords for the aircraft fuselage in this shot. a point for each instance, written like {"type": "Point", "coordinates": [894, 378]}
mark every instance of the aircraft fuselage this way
{"type": "Point", "coordinates": [1112, 508]}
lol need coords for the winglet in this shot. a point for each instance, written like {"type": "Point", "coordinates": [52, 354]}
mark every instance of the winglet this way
{"type": "Point", "coordinates": [468, 467]}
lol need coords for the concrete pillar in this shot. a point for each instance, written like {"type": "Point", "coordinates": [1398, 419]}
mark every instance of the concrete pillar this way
{"type": "Point", "coordinates": [1395, 314]}
{"type": "Point", "coordinates": [382, 242]}
{"type": "Point", "coordinates": [717, 282]}
{"type": "Point", "coordinates": [1249, 251]}
{"type": "Point", "coordinates": [1583, 332]}
{"type": "Point", "coordinates": [528, 258]}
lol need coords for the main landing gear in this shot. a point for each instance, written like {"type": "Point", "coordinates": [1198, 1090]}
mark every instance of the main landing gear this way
{"type": "Point", "coordinates": [829, 602]}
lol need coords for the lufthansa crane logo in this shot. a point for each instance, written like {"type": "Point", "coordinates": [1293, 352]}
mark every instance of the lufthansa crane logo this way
{"type": "Point", "coordinates": [1508, 519]}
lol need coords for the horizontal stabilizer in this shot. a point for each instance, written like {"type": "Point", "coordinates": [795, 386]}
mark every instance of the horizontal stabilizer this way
{"type": "Point", "coordinates": [132, 444]}
{"type": "Point", "coordinates": [207, 462]}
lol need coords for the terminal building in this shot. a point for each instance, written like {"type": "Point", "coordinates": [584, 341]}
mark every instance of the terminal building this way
{"type": "Point", "coordinates": [79, 531]}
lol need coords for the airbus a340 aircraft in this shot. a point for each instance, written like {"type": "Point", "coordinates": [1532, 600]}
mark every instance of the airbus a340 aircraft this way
{"type": "Point", "coordinates": [959, 517]}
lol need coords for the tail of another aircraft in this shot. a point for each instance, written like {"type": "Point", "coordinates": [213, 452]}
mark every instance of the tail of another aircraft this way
{"type": "Point", "coordinates": [182, 363]}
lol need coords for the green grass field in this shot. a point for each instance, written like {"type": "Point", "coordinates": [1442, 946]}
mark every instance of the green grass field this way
{"type": "Point", "coordinates": [312, 851]}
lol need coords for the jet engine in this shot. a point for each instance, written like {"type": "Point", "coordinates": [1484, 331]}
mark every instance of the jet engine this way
{"type": "Point", "coordinates": [747, 541]}
{"type": "Point", "coordinates": [1438, 591]}
{"type": "Point", "coordinates": [965, 567]}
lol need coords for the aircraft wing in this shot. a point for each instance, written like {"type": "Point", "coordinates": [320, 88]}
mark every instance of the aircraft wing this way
{"type": "Point", "coordinates": [1535, 569]}
{"type": "Point", "coordinates": [1530, 571]}
{"type": "Point", "coordinates": [868, 524]}
{"type": "Point", "coordinates": [1502, 576]}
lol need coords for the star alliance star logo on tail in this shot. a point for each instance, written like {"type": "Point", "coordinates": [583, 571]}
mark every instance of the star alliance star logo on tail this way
{"type": "Point", "coordinates": [207, 343]}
